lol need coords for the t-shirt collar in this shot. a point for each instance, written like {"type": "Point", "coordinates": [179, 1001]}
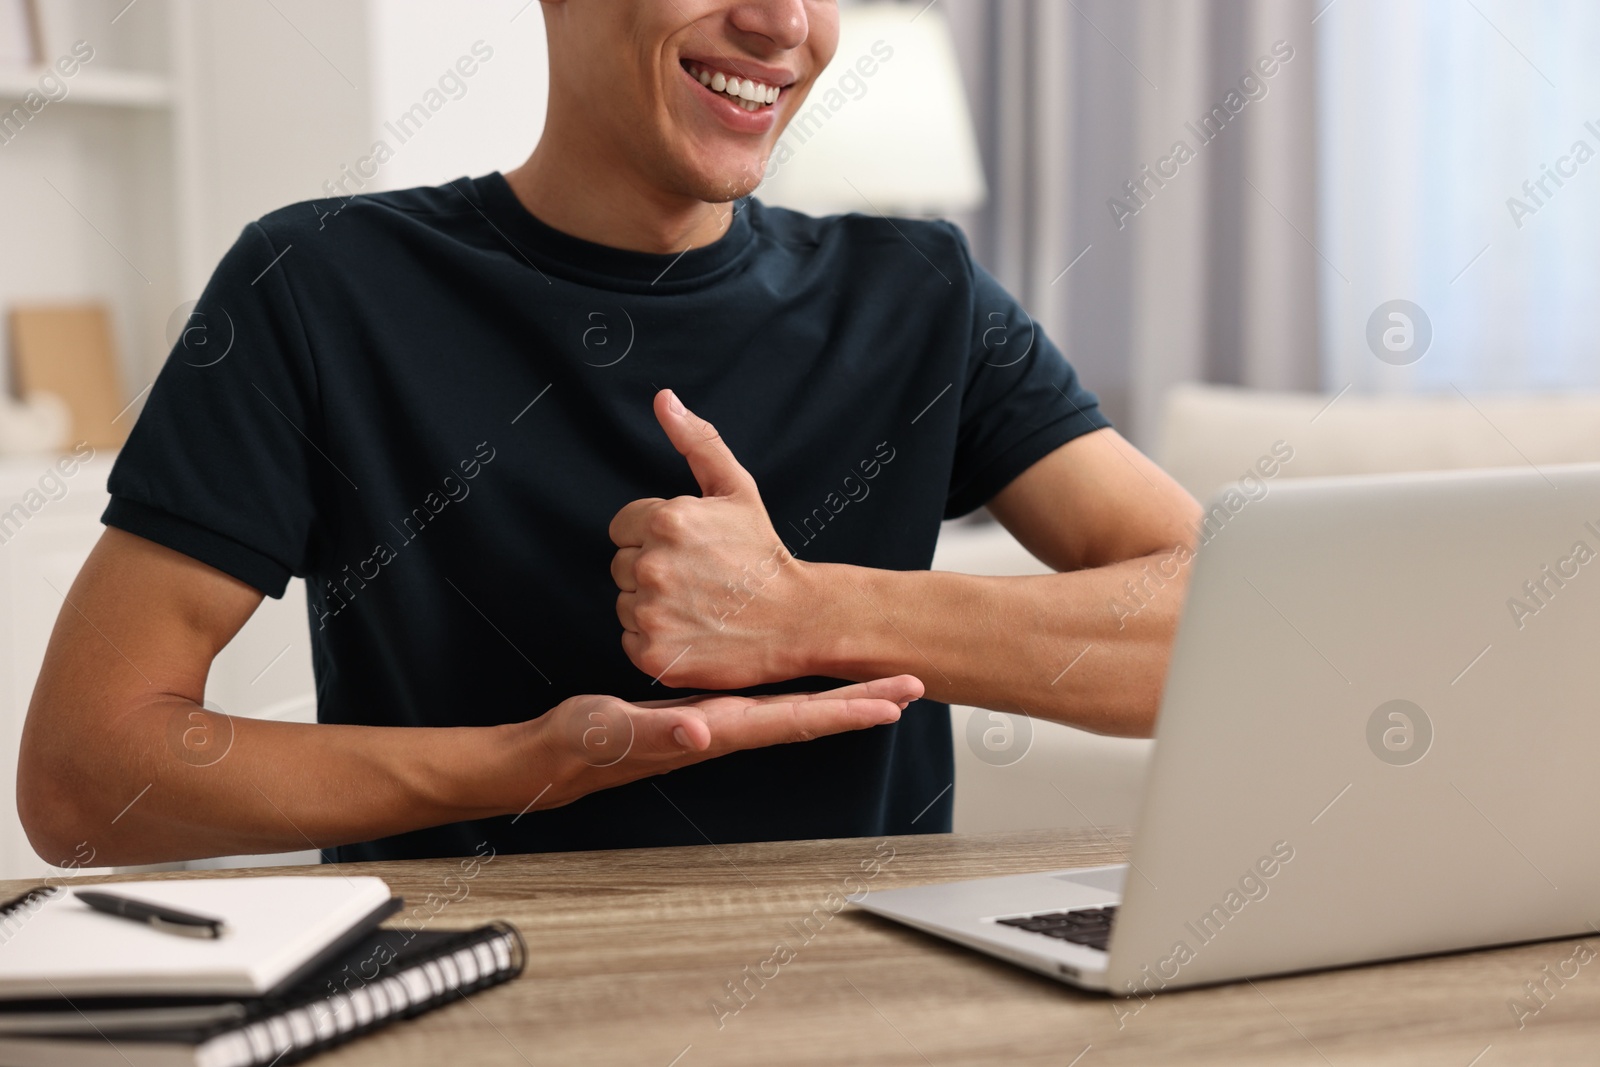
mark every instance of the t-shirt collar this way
{"type": "Point", "coordinates": [555, 252]}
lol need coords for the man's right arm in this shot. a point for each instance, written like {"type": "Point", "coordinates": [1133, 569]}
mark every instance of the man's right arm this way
{"type": "Point", "coordinates": [119, 756]}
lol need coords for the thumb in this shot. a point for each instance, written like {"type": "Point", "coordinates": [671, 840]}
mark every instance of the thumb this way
{"type": "Point", "coordinates": [710, 458]}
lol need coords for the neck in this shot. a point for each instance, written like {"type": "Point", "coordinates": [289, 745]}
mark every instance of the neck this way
{"type": "Point", "coordinates": [581, 188]}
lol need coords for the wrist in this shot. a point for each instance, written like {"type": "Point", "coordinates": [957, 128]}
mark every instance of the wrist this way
{"type": "Point", "coordinates": [540, 770]}
{"type": "Point", "coordinates": [793, 595]}
{"type": "Point", "coordinates": [836, 632]}
{"type": "Point", "coordinates": [512, 768]}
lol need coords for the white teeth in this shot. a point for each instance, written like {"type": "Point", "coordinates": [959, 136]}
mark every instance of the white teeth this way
{"type": "Point", "coordinates": [747, 93]}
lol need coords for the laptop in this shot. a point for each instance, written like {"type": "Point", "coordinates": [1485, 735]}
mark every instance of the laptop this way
{"type": "Point", "coordinates": [1378, 740]}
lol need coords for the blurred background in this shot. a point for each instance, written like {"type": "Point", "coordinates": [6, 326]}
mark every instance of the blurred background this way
{"type": "Point", "coordinates": [1364, 229]}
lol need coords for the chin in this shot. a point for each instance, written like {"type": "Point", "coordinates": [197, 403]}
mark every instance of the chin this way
{"type": "Point", "coordinates": [742, 184]}
{"type": "Point", "coordinates": [728, 181]}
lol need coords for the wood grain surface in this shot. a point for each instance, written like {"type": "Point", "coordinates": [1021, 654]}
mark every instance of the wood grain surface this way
{"type": "Point", "coordinates": [631, 954]}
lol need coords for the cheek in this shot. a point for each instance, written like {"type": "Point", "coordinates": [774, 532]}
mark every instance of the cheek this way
{"type": "Point", "coordinates": [822, 38]}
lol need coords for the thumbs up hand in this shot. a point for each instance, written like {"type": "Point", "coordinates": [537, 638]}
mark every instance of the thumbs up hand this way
{"type": "Point", "coordinates": [708, 593]}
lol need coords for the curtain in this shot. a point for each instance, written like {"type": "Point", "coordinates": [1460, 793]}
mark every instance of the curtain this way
{"type": "Point", "coordinates": [1462, 151]}
{"type": "Point", "coordinates": [1151, 264]}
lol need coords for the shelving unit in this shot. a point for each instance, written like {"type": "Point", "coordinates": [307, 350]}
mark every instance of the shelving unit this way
{"type": "Point", "coordinates": [192, 119]}
{"type": "Point", "coordinates": [92, 182]}
{"type": "Point", "coordinates": [98, 88]}
{"type": "Point", "coordinates": [127, 191]}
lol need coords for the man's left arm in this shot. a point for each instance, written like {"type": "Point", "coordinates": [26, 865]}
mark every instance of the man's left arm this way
{"type": "Point", "coordinates": [1087, 646]}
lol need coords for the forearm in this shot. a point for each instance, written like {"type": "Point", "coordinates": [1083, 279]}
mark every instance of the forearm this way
{"type": "Point", "coordinates": [118, 763]}
{"type": "Point", "coordinates": [170, 781]}
{"type": "Point", "coordinates": [1084, 647]}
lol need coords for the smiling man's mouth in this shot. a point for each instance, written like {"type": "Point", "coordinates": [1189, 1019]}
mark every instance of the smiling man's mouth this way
{"type": "Point", "coordinates": [748, 93]}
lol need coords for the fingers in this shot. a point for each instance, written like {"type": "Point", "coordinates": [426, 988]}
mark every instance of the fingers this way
{"type": "Point", "coordinates": [730, 724]}
{"type": "Point", "coordinates": [627, 528]}
{"type": "Point", "coordinates": [626, 603]}
{"type": "Point", "coordinates": [784, 722]}
{"type": "Point", "coordinates": [624, 742]}
{"type": "Point", "coordinates": [902, 689]}
{"type": "Point", "coordinates": [710, 458]}
{"type": "Point", "coordinates": [671, 731]}
{"type": "Point", "coordinates": [622, 569]}
{"type": "Point", "coordinates": [686, 702]}
{"type": "Point", "coordinates": [606, 732]}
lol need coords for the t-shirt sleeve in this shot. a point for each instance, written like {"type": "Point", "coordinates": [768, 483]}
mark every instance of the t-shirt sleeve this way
{"type": "Point", "coordinates": [223, 463]}
{"type": "Point", "coordinates": [1021, 401]}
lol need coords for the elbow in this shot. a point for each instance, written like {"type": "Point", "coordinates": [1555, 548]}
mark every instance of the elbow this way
{"type": "Point", "coordinates": [1125, 704]}
{"type": "Point", "coordinates": [1142, 722]}
{"type": "Point", "coordinates": [1133, 718]}
{"type": "Point", "coordinates": [55, 825]}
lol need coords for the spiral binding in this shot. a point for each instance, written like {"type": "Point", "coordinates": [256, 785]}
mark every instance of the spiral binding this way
{"type": "Point", "coordinates": [290, 1023]}
{"type": "Point", "coordinates": [28, 900]}
{"type": "Point", "coordinates": [288, 1032]}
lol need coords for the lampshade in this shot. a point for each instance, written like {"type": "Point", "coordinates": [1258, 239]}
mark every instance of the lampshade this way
{"type": "Point", "coordinates": [886, 127]}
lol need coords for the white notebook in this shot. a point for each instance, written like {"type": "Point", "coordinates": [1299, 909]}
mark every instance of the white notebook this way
{"type": "Point", "coordinates": [55, 945]}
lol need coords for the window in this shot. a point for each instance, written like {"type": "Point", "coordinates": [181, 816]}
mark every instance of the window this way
{"type": "Point", "coordinates": [1460, 171]}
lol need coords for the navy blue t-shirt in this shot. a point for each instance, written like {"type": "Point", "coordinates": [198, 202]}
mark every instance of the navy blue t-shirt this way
{"type": "Point", "coordinates": [430, 405]}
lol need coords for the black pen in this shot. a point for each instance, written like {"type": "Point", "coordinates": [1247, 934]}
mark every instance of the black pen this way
{"type": "Point", "coordinates": [159, 916]}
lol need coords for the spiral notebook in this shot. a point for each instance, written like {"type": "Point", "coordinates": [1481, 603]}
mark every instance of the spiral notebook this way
{"type": "Point", "coordinates": [390, 974]}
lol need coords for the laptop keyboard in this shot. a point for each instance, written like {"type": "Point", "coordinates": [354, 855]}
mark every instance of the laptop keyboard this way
{"type": "Point", "coordinates": [1081, 926]}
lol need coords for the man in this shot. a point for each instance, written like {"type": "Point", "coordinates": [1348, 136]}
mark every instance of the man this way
{"type": "Point", "coordinates": [463, 415]}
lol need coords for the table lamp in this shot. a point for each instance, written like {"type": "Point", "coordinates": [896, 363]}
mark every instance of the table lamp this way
{"type": "Point", "coordinates": [886, 128]}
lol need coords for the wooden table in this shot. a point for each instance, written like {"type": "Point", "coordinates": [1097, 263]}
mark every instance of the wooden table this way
{"type": "Point", "coordinates": [629, 952]}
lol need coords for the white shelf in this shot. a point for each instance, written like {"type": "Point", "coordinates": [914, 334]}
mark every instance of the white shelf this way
{"type": "Point", "coordinates": [102, 88]}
